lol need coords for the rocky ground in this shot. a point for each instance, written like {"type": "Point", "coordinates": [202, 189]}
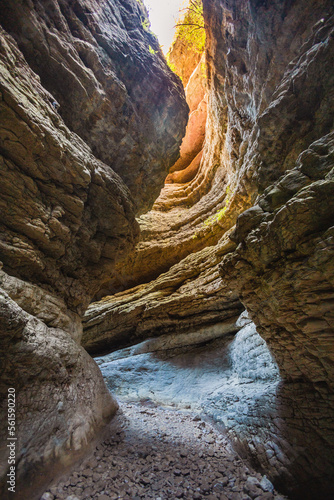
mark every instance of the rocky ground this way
{"type": "Point", "coordinates": [160, 453]}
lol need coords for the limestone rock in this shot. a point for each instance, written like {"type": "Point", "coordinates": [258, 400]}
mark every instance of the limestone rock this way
{"type": "Point", "coordinates": [268, 159]}
{"type": "Point", "coordinates": [157, 452]}
{"type": "Point", "coordinates": [109, 82]}
{"type": "Point", "coordinates": [278, 122]}
{"type": "Point", "coordinates": [189, 299]}
{"type": "Point", "coordinates": [52, 376]}
{"type": "Point", "coordinates": [44, 305]}
{"type": "Point", "coordinates": [81, 94]}
{"type": "Point", "coordinates": [193, 140]}
{"type": "Point", "coordinates": [231, 378]}
{"type": "Point", "coordinates": [66, 216]}
{"type": "Point", "coordinates": [284, 273]}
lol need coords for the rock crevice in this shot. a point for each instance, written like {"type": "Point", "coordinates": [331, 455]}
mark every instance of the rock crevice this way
{"type": "Point", "coordinates": [74, 155]}
{"type": "Point", "coordinates": [256, 223]}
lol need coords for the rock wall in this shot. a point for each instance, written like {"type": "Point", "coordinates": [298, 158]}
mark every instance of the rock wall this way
{"type": "Point", "coordinates": [277, 81]}
{"type": "Point", "coordinates": [78, 80]}
{"type": "Point", "coordinates": [109, 81]}
{"type": "Point", "coordinates": [259, 213]}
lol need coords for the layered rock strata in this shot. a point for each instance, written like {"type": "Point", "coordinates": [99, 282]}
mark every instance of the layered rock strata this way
{"type": "Point", "coordinates": [268, 157]}
{"type": "Point", "coordinates": [186, 167]}
{"type": "Point", "coordinates": [66, 216]}
{"type": "Point", "coordinates": [189, 300]}
{"type": "Point", "coordinates": [109, 82]}
{"type": "Point", "coordinates": [283, 270]}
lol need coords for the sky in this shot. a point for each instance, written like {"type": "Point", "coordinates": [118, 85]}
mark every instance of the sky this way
{"type": "Point", "coordinates": [163, 15]}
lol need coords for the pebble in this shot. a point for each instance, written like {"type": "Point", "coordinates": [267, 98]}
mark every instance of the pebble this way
{"type": "Point", "coordinates": [157, 454]}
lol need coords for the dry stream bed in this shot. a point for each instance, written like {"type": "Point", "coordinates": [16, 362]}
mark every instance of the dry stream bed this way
{"type": "Point", "coordinates": [161, 453]}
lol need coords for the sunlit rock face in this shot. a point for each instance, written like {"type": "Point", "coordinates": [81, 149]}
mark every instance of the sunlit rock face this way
{"type": "Point", "coordinates": [189, 299]}
{"type": "Point", "coordinates": [267, 159]}
{"type": "Point", "coordinates": [66, 216]}
{"type": "Point", "coordinates": [108, 76]}
{"type": "Point", "coordinates": [186, 167]}
{"type": "Point", "coordinates": [182, 56]}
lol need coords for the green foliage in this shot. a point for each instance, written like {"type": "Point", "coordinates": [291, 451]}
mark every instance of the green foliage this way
{"type": "Point", "coordinates": [146, 25]}
{"type": "Point", "coordinates": [172, 65]}
{"type": "Point", "coordinates": [145, 22]}
{"type": "Point", "coordinates": [210, 221]}
{"type": "Point", "coordinates": [152, 51]}
{"type": "Point", "coordinates": [191, 29]}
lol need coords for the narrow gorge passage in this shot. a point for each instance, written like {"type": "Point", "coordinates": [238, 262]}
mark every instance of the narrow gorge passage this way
{"type": "Point", "coordinates": [166, 251]}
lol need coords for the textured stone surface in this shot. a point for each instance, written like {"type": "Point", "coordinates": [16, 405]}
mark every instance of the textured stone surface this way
{"type": "Point", "coordinates": [61, 400]}
{"type": "Point", "coordinates": [283, 269]}
{"type": "Point", "coordinates": [115, 93]}
{"type": "Point", "coordinates": [189, 299]}
{"type": "Point", "coordinates": [66, 215]}
{"type": "Point", "coordinates": [279, 115]}
{"type": "Point", "coordinates": [193, 140]}
{"type": "Point", "coordinates": [167, 454]}
{"type": "Point", "coordinates": [182, 56]}
{"type": "Point", "coordinates": [267, 156]}
{"type": "Point", "coordinates": [46, 306]}
{"type": "Point", "coordinates": [224, 375]}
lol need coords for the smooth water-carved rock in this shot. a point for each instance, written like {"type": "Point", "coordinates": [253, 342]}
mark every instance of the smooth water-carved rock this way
{"type": "Point", "coordinates": [61, 401]}
{"type": "Point", "coordinates": [268, 159]}
{"type": "Point", "coordinates": [283, 270]}
{"type": "Point", "coordinates": [189, 300]}
{"type": "Point", "coordinates": [66, 216]}
{"type": "Point", "coordinates": [55, 246]}
{"type": "Point", "coordinates": [183, 170]}
{"type": "Point", "coordinates": [109, 82]}
{"type": "Point", "coordinates": [279, 118]}
{"type": "Point", "coordinates": [201, 372]}
{"type": "Point", "coordinates": [231, 378]}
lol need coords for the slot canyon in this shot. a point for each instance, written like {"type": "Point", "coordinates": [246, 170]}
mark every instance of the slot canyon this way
{"type": "Point", "coordinates": [167, 251]}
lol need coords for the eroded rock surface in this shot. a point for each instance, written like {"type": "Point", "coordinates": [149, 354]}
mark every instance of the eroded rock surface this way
{"type": "Point", "coordinates": [109, 88]}
{"type": "Point", "coordinates": [66, 216]}
{"type": "Point", "coordinates": [189, 299]}
{"type": "Point", "coordinates": [268, 159]}
{"type": "Point", "coordinates": [67, 99]}
{"type": "Point", "coordinates": [283, 269]}
{"type": "Point", "coordinates": [278, 135]}
{"type": "Point", "coordinates": [62, 403]}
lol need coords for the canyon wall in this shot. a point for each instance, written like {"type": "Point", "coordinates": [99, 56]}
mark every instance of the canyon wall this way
{"type": "Point", "coordinates": [86, 98]}
{"type": "Point", "coordinates": [277, 82]}
{"type": "Point", "coordinates": [91, 124]}
{"type": "Point", "coordinates": [252, 228]}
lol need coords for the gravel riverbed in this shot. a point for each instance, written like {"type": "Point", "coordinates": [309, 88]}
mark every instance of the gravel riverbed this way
{"type": "Point", "coordinates": [163, 454]}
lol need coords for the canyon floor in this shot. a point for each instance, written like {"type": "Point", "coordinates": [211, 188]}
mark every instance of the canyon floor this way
{"type": "Point", "coordinates": [162, 453]}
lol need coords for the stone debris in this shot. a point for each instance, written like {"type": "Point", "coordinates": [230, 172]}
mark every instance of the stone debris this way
{"type": "Point", "coordinates": [158, 453]}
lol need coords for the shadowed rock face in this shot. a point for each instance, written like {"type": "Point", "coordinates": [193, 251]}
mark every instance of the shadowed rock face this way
{"type": "Point", "coordinates": [115, 93]}
{"type": "Point", "coordinates": [62, 404]}
{"type": "Point", "coordinates": [267, 159]}
{"type": "Point", "coordinates": [66, 215]}
{"type": "Point", "coordinates": [279, 119]}
{"type": "Point", "coordinates": [252, 228]}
